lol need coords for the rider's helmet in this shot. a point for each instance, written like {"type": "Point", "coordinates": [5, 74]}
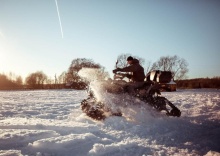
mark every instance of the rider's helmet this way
{"type": "Point", "coordinates": [130, 58]}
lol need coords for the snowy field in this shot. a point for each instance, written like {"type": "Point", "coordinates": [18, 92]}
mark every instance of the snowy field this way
{"type": "Point", "coordinates": [51, 123]}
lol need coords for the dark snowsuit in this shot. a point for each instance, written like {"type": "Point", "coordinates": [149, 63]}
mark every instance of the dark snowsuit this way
{"type": "Point", "coordinates": [137, 69]}
{"type": "Point", "coordinates": [137, 77]}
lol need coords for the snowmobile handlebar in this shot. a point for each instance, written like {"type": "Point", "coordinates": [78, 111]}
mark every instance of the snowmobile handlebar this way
{"type": "Point", "coordinates": [117, 74]}
{"type": "Point", "coordinates": [121, 75]}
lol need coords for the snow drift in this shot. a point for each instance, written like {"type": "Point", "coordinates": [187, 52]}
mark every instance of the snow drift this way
{"type": "Point", "coordinates": [50, 122]}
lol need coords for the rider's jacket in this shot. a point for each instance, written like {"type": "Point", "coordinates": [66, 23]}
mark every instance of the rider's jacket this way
{"type": "Point", "coordinates": [137, 70]}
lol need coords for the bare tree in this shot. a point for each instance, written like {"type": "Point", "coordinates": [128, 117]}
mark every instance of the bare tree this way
{"type": "Point", "coordinates": [6, 83]}
{"type": "Point", "coordinates": [79, 63]}
{"type": "Point", "coordinates": [102, 74]}
{"type": "Point", "coordinates": [49, 81]}
{"type": "Point", "coordinates": [12, 76]}
{"type": "Point", "coordinates": [122, 60]}
{"type": "Point", "coordinates": [36, 80]}
{"type": "Point", "coordinates": [19, 80]}
{"type": "Point", "coordinates": [148, 67]}
{"type": "Point", "coordinates": [62, 78]}
{"type": "Point", "coordinates": [178, 66]}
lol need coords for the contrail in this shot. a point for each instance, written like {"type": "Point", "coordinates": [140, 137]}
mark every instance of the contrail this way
{"type": "Point", "coordinates": [58, 13]}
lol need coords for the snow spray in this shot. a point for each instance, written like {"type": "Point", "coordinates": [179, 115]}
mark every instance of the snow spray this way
{"type": "Point", "coordinates": [132, 108]}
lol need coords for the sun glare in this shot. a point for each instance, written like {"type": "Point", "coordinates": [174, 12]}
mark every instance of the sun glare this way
{"type": "Point", "coordinates": [4, 64]}
{"type": "Point", "coordinates": [5, 61]}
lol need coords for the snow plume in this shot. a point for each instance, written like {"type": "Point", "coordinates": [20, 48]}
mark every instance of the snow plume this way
{"type": "Point", "coordinates": [90, 74]}
{"type": "Point", "coordinates": [132, 108]}
{"type": "Point", "coordinates": [98, 86]}
{"type": "Point", "coordinates": [93, 76]}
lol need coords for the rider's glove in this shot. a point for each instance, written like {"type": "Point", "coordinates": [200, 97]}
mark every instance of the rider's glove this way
{"type": "Point", "coordinates": [128, 76]}
{"type": "Point", "coordinates": [116, 70]}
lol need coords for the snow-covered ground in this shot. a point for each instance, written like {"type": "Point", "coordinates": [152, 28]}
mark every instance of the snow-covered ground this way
{"type": "Point", "coordinates": [50, 122]}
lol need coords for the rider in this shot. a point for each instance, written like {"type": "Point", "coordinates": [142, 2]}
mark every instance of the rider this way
{"type": "Point", "coordinates": [137, 75]}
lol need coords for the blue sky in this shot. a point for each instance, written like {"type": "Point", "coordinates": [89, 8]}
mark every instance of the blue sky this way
{"type": "Point", "coordinates": [31, 40]}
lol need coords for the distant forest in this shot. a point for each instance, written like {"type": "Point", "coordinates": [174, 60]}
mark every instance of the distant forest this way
{"type": "Point", "coordinates": [199, 83]}
{"type": "Point", "coordinates": [7, 83]}
{"type": "Point", "coordinates": [10, 83]}
{"type": "Point", "coordinates": [72, 79]}
{"type": "Point", "coordinates": [39, 80]}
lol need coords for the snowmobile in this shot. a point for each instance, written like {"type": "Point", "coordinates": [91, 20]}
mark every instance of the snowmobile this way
{"type": "Point", "coordinates": [149, 93]}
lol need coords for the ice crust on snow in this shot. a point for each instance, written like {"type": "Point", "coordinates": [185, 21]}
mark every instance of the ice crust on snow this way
{"type": "Point", "coordinates": [50, 122]}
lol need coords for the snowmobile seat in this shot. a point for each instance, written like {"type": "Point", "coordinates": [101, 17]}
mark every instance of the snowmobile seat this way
{"type": "Point", "coordinates": [159, 76]}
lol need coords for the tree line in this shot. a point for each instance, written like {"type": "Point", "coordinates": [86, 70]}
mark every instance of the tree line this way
{"type": "Point", "coordinates": [199, 83]}
{"type": "Point", "coordinates": [10, 81]}
{"type": "Point", "coordinates": [68, 79]}
{"type": "Point", "coordinates": [71, 78]}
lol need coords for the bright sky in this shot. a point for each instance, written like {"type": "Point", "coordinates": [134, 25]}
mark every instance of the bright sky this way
{"type": "Point", "coordinates": [31, 38]}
